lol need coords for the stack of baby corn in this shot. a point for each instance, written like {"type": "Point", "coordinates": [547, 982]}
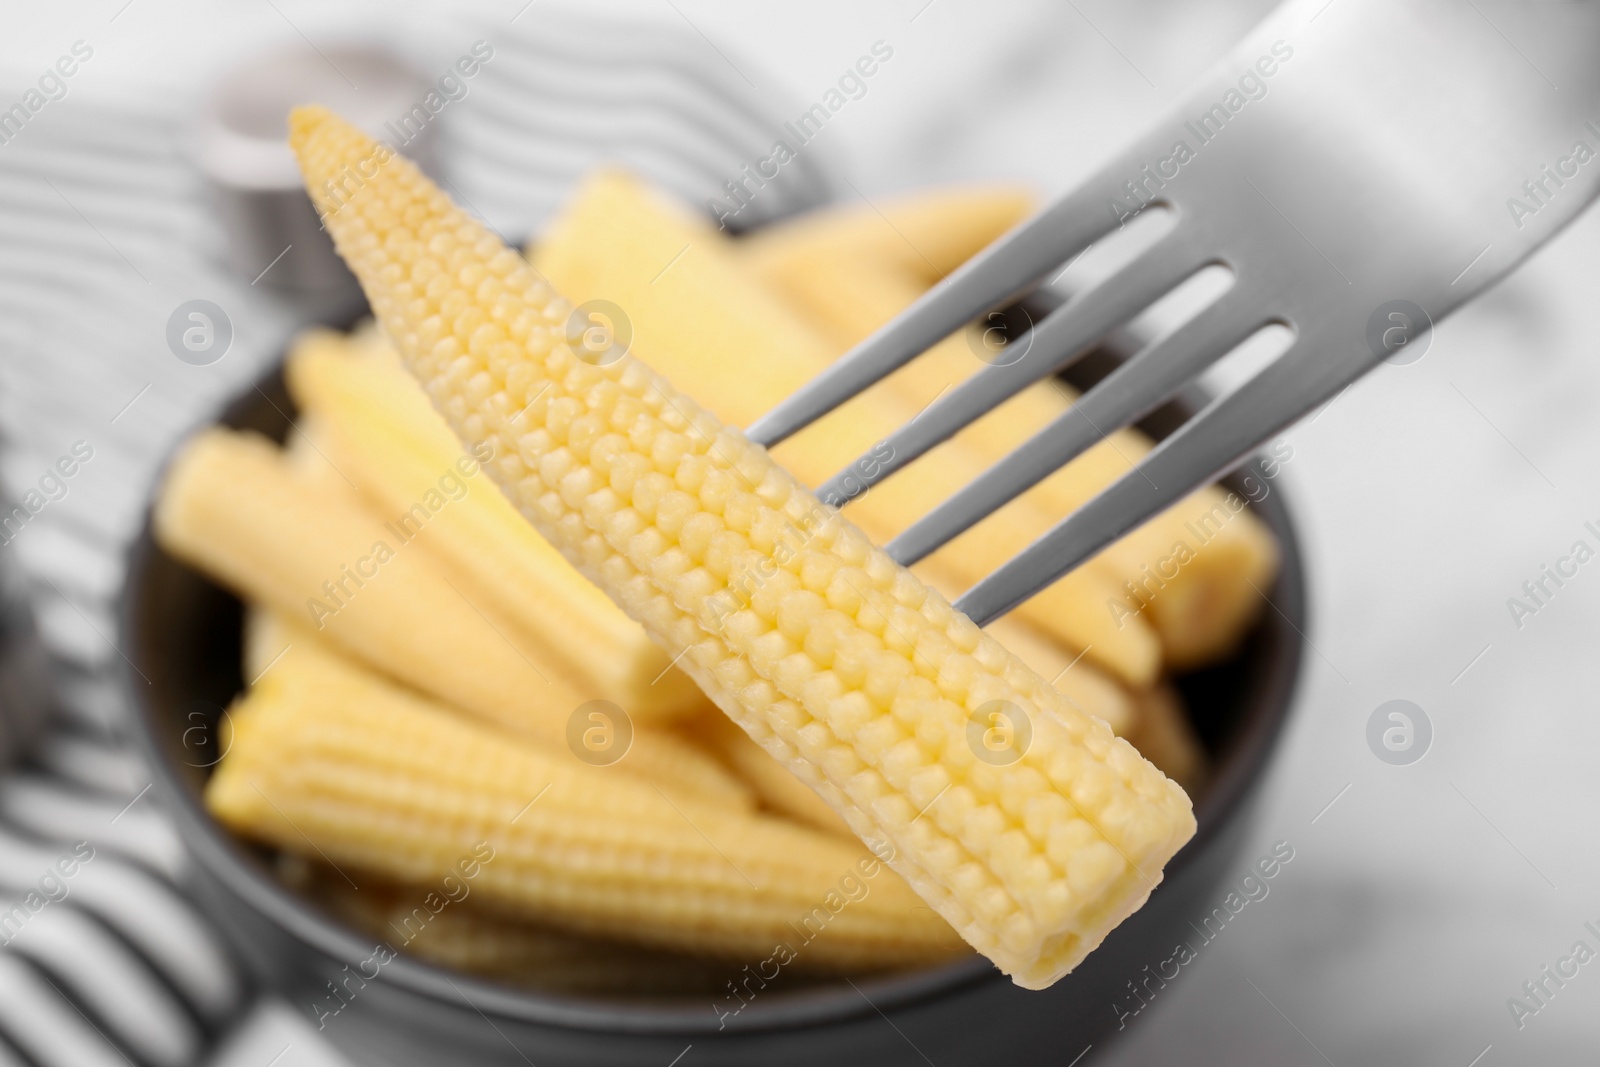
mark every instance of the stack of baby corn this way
{"type": "Point", "coordinates": [436, 670]}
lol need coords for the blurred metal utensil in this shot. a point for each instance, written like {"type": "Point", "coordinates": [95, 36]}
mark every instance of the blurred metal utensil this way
{"type": "Point", "coordinates": [1363, 168]}
{"type": "Point", "coordinates": [547, 101]}
{"type": "Point", "coordinates": [271, 234]}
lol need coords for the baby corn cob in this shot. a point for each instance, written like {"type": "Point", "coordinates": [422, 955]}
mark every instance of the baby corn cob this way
{"type": "Point", "coordinates": [378, 426]}
{"type": "Point", "coordinates": [539, 958]}
{"type": "Point", "coordinates": [843, 665]}
{"type": "Point", "coordinates": [1200, 606]}
{"type": "Point", "coordinates": [280, 654]}
{"type": "Point", "coordinates": [1198, 570]}
{"type": "Point", "coordinates": [1079, 684]}
{"type": "Point", "coordinates": [774, 784]}
{"type": "Point", "coordinates": [1083, 687]}
{"type": "Point", "coordinates": [393, 784]}
{"type": "Point", "coordinates": [444, 925]}
{"type": "Point", "coordinates": [923, 235]}
{"type": "Point", "coordinates": [306, 450]}
{"type": "Point", "coordinates": [463, 936]}
{"type": "Point", "coordinates": [232, 506]}
{"type": "Point", "coordinates": [707, 325]}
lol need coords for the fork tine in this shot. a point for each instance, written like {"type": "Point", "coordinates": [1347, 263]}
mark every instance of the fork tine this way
{"type": "Point", "coordinates": [1051, 346]}
{"type": "Point", "coordinates": [992, 278]}
{"type": "Point", "coordinates": [1203, 449]}
{"type": "Point", "coordinates": [1143, 383]}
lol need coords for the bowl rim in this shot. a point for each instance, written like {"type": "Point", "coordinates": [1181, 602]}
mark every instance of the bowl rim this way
{"type": "Point", "coordinates": [224, 858]}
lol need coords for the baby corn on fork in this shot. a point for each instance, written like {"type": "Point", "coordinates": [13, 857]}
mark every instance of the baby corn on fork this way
{"type": "Point", "coordinates": [860, 679]}
{"type": "Point", "coordinates": [1362, 167]}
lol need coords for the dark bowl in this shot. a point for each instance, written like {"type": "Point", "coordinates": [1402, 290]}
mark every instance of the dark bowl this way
{"type": "Point", "coordinates": [183, 634]}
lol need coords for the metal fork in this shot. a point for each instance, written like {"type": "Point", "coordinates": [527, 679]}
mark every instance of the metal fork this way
{"type": "Point", "coordinates": [1362, 167]}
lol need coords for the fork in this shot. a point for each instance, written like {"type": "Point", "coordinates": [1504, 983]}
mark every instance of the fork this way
{"type": "Point", "coordinates": [1361, 167]}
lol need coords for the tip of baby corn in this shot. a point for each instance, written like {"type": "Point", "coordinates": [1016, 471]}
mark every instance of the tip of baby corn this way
{"type": "Point", "coordinates": [309, 121]}
{"type": "Point", "coordinates": [337, 158]}
{"type": "Point", "coordinates": [306, 123]}
{"type": "Point", "coordinates": [303, 120]}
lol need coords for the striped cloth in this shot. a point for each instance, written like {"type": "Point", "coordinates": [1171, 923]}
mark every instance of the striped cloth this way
{"type": "Point", "coordinates": [104, 231]}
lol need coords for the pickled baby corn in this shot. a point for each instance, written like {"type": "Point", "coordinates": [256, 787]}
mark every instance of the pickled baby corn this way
{"type": "Point", "coordinates": [840, 663]}
{"type": "Point", "coordinates": [774, 784]}
{"type": "Point", "coordinates": [1201, 598]}
{"type": "Point", "coordinates": [1079, 684]}
{"type": "Point", "coordinates": [386, 781]}
{"type": "Point", "coordinates": [285, 654]}
{"type": "Point", "coordinates": [377, 425]}
{"type": "Point", "coordinates": [923, 235]}
{"type": "Point", "coordinates": [723, 338]}
{"type": "Point", "coordinates": [233, 507]}
{"type": "Point", "coordinates": [464, 937]}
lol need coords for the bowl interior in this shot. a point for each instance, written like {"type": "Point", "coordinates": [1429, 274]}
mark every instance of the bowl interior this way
{"type": "Point", "coordinates": [183, 634]}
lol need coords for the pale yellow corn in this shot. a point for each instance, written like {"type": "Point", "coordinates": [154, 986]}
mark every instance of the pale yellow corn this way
{"type": "Point", "coordinates": [842, 664]}
{"type": "Point", "coordinates": [924, 235]}
{"type": "Point", "coordinates": [703, 320]}
{"type": "Point", "coordinates": [233, 507]}
{"type": "Point", "coordinates": [1201, 599]}
{"type": "Point", "coordinates": [306, 449]}
{"type": "Point", "coordinates": [377, 425]}
{"type": "Point", "coordinates": [444, 924]}
{"type": "Point", "coordinates": [537, 957]}
{"type": "Point", "coordinates": [1199, 571]}
{"type": "Point", "coordinates": [384, 781]}
{"type": "Point", "coordinates": [282, 654]}
{"type": "Point", "coordinates": [457, 932]}
{"type": "Point", "coordinates": [774, 784]}
{"type": "Point", "coordinates": [1078, 683]}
